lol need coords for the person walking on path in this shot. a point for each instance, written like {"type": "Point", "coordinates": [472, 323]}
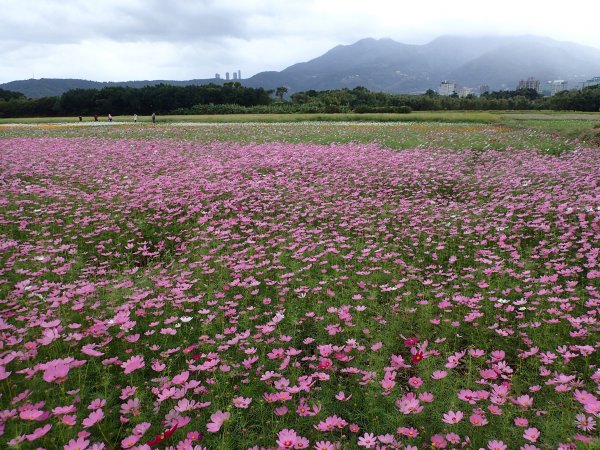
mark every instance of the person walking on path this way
{"type": "Point", "coordinates": [153, 118]}
{"type": "Point", "coordinates": [110, 117]}
{"type": "Point", "coordinates": [135, 118]}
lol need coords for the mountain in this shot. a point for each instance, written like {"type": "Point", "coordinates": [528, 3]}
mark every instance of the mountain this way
{"type": "Point", "coordinates": [390, 66]}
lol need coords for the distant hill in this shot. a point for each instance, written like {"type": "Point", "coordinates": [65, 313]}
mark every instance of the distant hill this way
{"type": "Point", "coordinates": [389, 66]}
{"type": "Point", "coordinates": [50, 87]}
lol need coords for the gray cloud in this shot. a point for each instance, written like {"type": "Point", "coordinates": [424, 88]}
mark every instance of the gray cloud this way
{"type": "Point", "coordinates": [181, 39]}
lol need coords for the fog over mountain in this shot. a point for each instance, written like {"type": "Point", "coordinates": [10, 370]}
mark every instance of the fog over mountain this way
{"type": "Point", "coordinates": [389, 66]}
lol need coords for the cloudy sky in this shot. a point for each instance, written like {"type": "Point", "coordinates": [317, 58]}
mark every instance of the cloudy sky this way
{"type": "Point", "coordinates": [119, 40]}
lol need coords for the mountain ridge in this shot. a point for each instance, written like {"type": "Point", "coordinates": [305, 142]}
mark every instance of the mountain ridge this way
{"type": "Point", "coordinates": [389, 66]}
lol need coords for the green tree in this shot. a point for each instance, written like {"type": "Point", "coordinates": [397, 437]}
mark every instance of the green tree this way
{"type": "Point", "coordinates": [280, 92]}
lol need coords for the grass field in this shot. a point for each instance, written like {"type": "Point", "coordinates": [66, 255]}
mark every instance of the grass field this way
{"type": "Point", "coordinates": [430, 283]}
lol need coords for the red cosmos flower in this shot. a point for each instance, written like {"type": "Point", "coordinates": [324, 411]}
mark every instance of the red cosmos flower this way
{"type": "Point", "coordinates": [161, 437]}
{"type": "Point", "coordinates": [417, 357]}
{"type": "Point", "coordinates": [411, 342]}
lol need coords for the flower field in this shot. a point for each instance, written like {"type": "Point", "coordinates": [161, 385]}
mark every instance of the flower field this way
{"type": "Point", "coordinates": [175, 291]}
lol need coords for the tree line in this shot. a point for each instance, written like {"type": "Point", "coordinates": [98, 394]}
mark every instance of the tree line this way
{"type": "Point", "coordinates": [159, 99]}
{"type": "Point", "coordinates": [232, 97]}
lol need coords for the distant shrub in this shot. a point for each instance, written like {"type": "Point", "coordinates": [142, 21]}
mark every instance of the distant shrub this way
{"type": "Point", "coordinates": [363, 109]}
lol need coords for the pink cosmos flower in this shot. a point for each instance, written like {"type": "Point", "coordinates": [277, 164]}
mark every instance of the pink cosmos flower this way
{"type": "Point", "coordinates": [56, 371]}
{"type": "Point", "coordinates": [286, 438]}
{"type": "Point", "coordinates": [426, 397]}
{"type": "Point", "coordinates": [367, 440]}
{"type": "Point", "coordinates": [496, 445]}
{"type": "Point", "coordinates": [531, 434]}
{"type": "Point", "coordinates": [96, 404]}
{"type": "Point", "coordinates": [453, 438]}
{"type": "Point", "coordinates": [452, 417]}
{"type": "Point", "coordinates": [301, 442]}
{"type": "Point", "coordinates": [281, 411]}
{"type": "Point", "coordinates": [216, 421]}
{"type": "Point", "coordinates": [521, 422]}
{"type": "Point", "coordinates": [341, 396]}
{"type": "Point", "coordinates": [438, 441]}
{"type": "Point", "coordinates": [242, 402]}
{"type": "Point", "coordinates": [93, 418]}
{"type": "Point", "coordinates": [408, 431]}
{"type": "Point", "coordinates": [585, 423]}
{"type": "Point", "coordinates": [324, 445]}
{"type": "Point", "coordinates": [478, 420]}
{"type": "Point", "coordinates": [386, 439]}
{"type": "Point", "coordinates": [79, 444]}
{"type": "Point", "coordinates": [33, 414]}
{"type": "Point", "coordinates": [141, 428]}
{"type": "Point", "coordinates": [133, 363]}
{"type": "Point", "coordinates": [439, 374]}
{"type": "Point", "coordinates": [69, 420]}
{"type": "Point", "coordinates": [415, 382]}
{"type": "Point", "coordinates": [524, 401]}
{"type": "Point", "coordinates": [130, 441]}
{"type": "Point", "coordinates": [38, 432]}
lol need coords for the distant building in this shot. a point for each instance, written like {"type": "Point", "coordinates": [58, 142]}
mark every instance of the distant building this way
{"type": "Point", "coordinates": [465, 92]}
{"type": "Point", "coordinates": [235, 75]}
{"type": "Point", "coordinates": [218, 76]}
{"type": "Point", "coordinates": [529, 83]}
{"type": "Point", "coordinates": [447, 88]}
{"type": "Point", "coordinates": [592, 82]}
{"type": "Point", "coordinates": [554, 87]}
{"type": "Point", "coordinates": [227, 76]}
{"type": "Point", "coordinates": [239, 74]}
{"type": "Point", "coordinates": [484, 89]}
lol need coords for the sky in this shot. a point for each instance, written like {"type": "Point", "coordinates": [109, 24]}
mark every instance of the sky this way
{"type": "Point", "coordinates": [122, 40]}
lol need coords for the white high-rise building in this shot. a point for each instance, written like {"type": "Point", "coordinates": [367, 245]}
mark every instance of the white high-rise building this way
{"type": "Point", "coordinates": [465, 92]}
{"type": "Point", "coordinates": [557, 86]}
{"type": "Point", "coordinates": [591, 82]}
{"type": "Point", "coordinates": [447, 88]}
